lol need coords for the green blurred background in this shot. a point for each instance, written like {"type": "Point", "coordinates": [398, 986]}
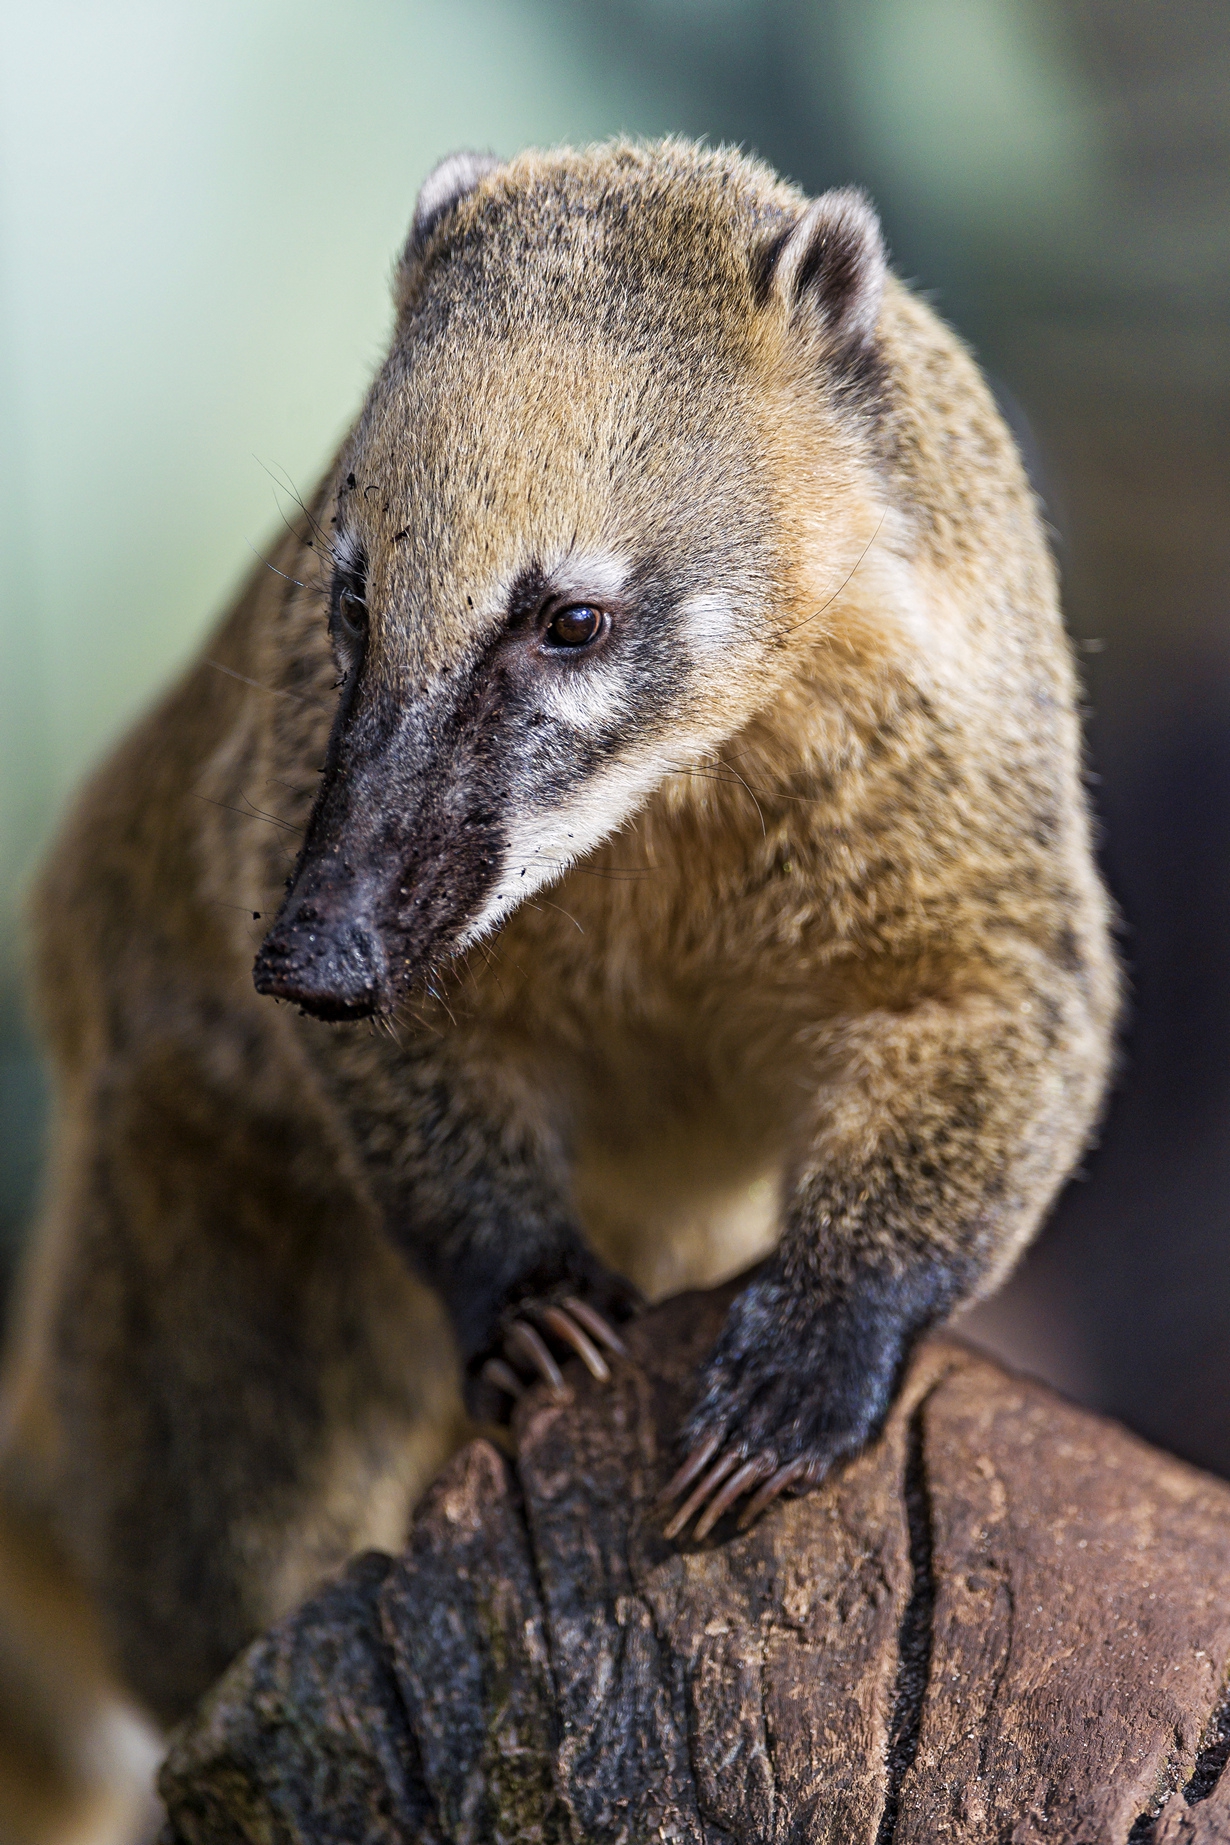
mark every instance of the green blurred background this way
{"type": "Point", "coordinates": [199, 204]}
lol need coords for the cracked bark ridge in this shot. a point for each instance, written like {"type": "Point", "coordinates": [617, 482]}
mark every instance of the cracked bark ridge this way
{"type": "Point", "coordinates": [1008, 1621]}
{"type": "Point", "coordinates": [307, 1723]}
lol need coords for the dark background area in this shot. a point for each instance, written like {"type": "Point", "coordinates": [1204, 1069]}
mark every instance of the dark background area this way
{"type": "Point", "coordinates": [1058, 179]}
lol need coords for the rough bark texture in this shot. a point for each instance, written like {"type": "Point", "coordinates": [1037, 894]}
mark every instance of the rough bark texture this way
{"type": "Point", "coordinates": [1009, 1621]}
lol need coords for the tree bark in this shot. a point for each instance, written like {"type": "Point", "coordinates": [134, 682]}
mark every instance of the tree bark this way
{"type": "Point", "coordinates": [1008, 1621]}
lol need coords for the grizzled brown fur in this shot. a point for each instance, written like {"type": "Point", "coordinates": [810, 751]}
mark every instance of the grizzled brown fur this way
{"type": "Point", "coordinates": [767, 922]}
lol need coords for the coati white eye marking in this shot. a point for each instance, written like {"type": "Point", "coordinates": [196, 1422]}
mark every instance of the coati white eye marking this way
{"type": "Point", "coordinates": [585, 575]}
{"type": "Point", "coordinates": [574, 600]}
{"type": "Point", "coordinates": [347, 551]}
{"type": "Point", "coordinates": [542, 846]}
{"type": "Point", "coordinates": [588, 701]}
{"type": "Point", "coordinates": [585, 691]}
{"type": "Point", "coordinates": [538, 594]}
{"type": "Point", "coordinates": [707, 621]}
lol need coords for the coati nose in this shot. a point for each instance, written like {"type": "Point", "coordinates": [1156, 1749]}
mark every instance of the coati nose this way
{"type": "Point", "coordinates": [333, 972]}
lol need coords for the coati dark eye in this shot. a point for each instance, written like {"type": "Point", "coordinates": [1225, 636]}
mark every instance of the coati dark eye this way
{"type": "Point", "coordinates": [352, 613]}
{"type": "Point", "coordinates": [348, 609]}
{"type": "Point", "coordinates": [576, 626]}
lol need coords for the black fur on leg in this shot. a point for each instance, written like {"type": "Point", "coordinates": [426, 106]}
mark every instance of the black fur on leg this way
{"type": "Point", "coordinates": [800, 1377]}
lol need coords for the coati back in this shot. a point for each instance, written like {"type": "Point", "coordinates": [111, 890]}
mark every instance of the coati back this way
{"type": "Point", "coordinates": [663, 719]}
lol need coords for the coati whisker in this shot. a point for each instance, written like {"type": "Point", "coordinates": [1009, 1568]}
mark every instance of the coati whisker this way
{"type": "Point", "coordinates": [277, 573]}
{"type": "Point", "coordinates": [493, 961]}
{"type": "Point", "coordinates": [275, 691]}
{"type": "Point", "coordinates": [246, 813]}
{"type": "Point", "coordinates": [287, 485]}
{"type": "Point", "coordinates": [563, 912]}
{"type": "Point", "coordinates": [438, 996]}
{"type": "Point", "coordinates": [413, 1015]}
{"type": "Point", "coordinates": [245, 909]}
{"type": "Point", "coordinates": [731, 780]}
{"type": "Point", "coordinates": [265, 815]}
{"type": "Point", "coordinates": [615, 874]}
{"type": "Point", "coordinates": [846, 581]}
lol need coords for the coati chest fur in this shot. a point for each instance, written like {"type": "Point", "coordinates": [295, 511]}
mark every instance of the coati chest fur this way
{"type": "Point", "coordinates": [658, 742]}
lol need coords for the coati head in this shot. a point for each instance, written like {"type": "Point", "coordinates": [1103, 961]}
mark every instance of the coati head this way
{"type": "Point", "coordinates": [562, 531]}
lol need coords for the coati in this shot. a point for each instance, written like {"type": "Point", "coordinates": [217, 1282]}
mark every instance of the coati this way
{"type": "Point", "coordinates": [658, 743]}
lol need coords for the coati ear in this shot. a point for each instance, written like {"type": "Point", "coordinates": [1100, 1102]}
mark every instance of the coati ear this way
{"type": "Point", "coordinates": [445, 186]}
{"type": "Point", "coordinates": [833, 258]}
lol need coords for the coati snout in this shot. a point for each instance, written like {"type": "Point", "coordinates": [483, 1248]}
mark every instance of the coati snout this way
{"type": "Point", "coordinates": [403, 845]}
{"type": "Point", "coordinates": [450, 796]}
{"type": "Point", "coordinates": [499, 719]}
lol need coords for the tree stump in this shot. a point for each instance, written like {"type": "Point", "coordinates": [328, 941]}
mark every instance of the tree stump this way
{"type": "Point", "coordinates": [1008, 1621]}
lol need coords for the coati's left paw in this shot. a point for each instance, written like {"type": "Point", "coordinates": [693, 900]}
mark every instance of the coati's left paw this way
{"type": "Point", "coordinates": [795, 1383]}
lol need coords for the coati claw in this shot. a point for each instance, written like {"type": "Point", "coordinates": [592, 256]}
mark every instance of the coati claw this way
{"type": "Point", "coordinates": [523, 1341]}
{"type": "Point", "coordinates": [696, 1499]}
{"type": "Point", "coordinates": [777, 1483]}
{"type": "Point", "coordinates": [796, 1384]}
{"type": "Point", "coordinates": [565, 1327]}
{"type": "Point", "coordinates": [695, 1464]}
{"type": "Point", "coordinates": [594, 1323]}
{"type": "Point", "coordinates": [749, 1475]}
{"type": "Point", "coordinates": [572, 1323]}
{"type": "Point", "coordinates": [738, 1473]}
{"type": "Point", "coordinates": [496, 1372]}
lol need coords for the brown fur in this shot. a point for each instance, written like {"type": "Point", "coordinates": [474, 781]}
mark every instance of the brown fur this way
{"type": "Point", "coordinates": [843, 978]}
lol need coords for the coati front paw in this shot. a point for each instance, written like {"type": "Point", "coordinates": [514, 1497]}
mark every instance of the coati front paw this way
{"type": "Point", "coordinates": [571, 1322]}
{"type": "Point", "coordinates": [795, 1383]}
{"type": "Point", "coordinates": [542, 1329]}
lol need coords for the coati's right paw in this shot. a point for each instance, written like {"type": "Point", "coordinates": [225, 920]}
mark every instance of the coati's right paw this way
{"type": "Point", "coordinates": [527, 1335]}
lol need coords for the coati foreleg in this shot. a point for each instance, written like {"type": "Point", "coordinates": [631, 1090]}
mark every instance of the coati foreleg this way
{"type": "Point", "coordinates": [472, 1178]}
{"type": "Point", "coordinates": [936, 1128]}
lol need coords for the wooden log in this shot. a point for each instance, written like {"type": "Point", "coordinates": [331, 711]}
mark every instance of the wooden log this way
{"type": "Point", "coordinates": [1008, 1621]}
